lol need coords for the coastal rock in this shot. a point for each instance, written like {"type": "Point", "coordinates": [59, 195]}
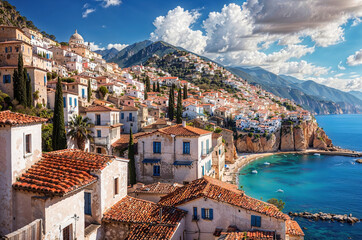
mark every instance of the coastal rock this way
{"type": "Point", "coordinates": [287, 138]}
{"type": "Point", "coordinates": [359, 160]}
{"type": "Point", "coordinates": [300, 140]}
{"type": "Point", "coordinates": [258, 143]}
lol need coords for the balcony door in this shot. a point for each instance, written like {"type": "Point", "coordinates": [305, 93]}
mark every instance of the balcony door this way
{"type": "Point", "coordinates": [98, 119]}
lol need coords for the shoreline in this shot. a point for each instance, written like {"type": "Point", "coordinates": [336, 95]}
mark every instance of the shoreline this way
{"type": "Point", "coordinates": [231, 173]}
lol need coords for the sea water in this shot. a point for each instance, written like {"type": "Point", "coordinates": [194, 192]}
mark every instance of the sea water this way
{"type": "Point", "coordinates": [331, 184]}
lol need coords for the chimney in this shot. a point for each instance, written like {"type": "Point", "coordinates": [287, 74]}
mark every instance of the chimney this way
{"type": "Point", "coordinates": [183, 123]}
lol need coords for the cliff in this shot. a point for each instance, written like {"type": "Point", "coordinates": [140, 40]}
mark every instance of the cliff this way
{"type": "Point", "coordinates": [291, 137]}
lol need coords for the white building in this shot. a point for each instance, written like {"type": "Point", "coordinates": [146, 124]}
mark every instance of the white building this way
{"type": "Point", "coordinates": [129, 119]}
{"type": "Point", "coordinates": [177, 153]}
{"type": "Point", "coordinates": [107, 128]}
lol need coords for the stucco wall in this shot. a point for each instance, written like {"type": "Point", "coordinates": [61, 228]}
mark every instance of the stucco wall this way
{"type": "Point", "coordinates": [225, 215]}
{"type": "Point", "coordinates": [13, 163]}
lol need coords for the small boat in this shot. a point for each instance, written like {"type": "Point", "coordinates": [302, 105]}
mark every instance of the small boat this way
{"type": "Point", "coordinates": [254, 171]}
{"type": "Point", "coordinates": [266, 163]}
{"type": "Point", "coordinates": [280, 191]}
{"type": "Point", "coordinates": [317, 154]}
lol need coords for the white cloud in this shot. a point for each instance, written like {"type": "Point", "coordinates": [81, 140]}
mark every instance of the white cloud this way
{"type": "Point", "coordinates": [86, 5]}
{"type": "Point", "coordinates": [108, 3]}
{"type": "Point", "coordinates": [355, 59]}
{"type": "Point", "coordinates": [87, 12]}
{"type": "Point", "coordinates": [344, 84]}
{"type": "Point", "coordinates": [340, 66]}
{"type": "Point", "coordinates": [175, 28]}
{"type": "Point", "coordinates": [117, 46]}
{"type": "Point", "coordinates": [94, 47]}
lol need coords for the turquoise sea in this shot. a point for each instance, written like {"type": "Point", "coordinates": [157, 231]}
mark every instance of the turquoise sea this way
{"type": "Point", "coordinates": [315, 183]}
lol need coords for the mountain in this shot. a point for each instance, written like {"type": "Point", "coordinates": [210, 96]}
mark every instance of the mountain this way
{"type": "Point", "coordinates": [108, 53]}
{"type": "Point", "coordinates": [9, 16]}
{"type": "Point", "coordinates": [357, 94]}
{"type": "Point", "coordinates": [309, 94]}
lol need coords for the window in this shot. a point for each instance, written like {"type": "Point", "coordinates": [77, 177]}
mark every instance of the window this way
{"type": "Point", "coordinates": [45, 80]}
{"type": "Point", "coordinates": [75, 102]}
{"type": "Point", "coordinates": [99, 150]}
{"type": "Point", "coordinates": [156, 170]}
{"type": "Point", "coordinates": [219, 151]}
{"type": "Point", "coordinates": [255, 221]}
{"type": "Point", "coordinates": [122, 115]}
{"type": "Point", "coordinates": [194, 216]}
{"type": "Point", "coordinates": [67, 233]}
{"type": "Point", "coordinates": [156, 147]}
{"type": "Point", "coordinates": [98, 119]}
{"type": "Point", "coordinates": [202, 148]}
{"type": "Point", "coordinates": [186, 148]}
{"type": "Point", "coordinates": [11, 49]}
{"type": "Point", "coordinates": [6, 79]}
{"type": "Point", "coordinates": [207, 146]}
{"type": "Point", "coordinates": [70, 101]}
{"type": "Point", "coordinates": [116, 188]}
{"type": "Point", "coordinates": [99, 133]}
{"type": "Point", "coordinates": [130, 117]}
{"type": "Point", "coordinates": [207, 213]}
{"type": "Point", "coordinates": [65, 102]}
{"type": "Point", "coordinates": [28, 143]}
{"type": "Point", "coordinates": [87, 203]}
{"type": "Point", "coordinates": [6, 49]}
{"type": "Point", "coordinates": [202, 170]}
{"type": "Point", "coordinates": [83, 93]}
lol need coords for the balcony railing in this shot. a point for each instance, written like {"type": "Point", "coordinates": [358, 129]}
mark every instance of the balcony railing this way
{"type": "Point", "coordinates": [130, 119]}
{"type": "Point", "coordinates": [103, 141]}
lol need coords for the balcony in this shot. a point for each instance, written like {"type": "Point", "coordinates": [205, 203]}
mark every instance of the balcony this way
{"type": "Point", "coordinates": [130, 119]}
{"type": "Point", "coordinates": [101, 141]}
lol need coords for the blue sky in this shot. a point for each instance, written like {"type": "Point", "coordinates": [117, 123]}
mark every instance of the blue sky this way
{"type": "Point", "coordinates": [309, 39]}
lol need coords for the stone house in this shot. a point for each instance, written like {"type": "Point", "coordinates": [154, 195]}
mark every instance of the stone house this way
{"type": "Point", "coordinates": [177, 153]}
{"type": "Point", "coordinates": [70, 104]}
{"type": "Point", "coordinates": [214, 206]}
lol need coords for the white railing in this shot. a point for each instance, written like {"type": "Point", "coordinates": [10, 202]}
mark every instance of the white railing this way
{"type": "Point", "coordinates": [31, 231]}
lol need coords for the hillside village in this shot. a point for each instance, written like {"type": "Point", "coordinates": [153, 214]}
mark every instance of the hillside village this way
{"type": "Point", "coordinates": [152, 162]}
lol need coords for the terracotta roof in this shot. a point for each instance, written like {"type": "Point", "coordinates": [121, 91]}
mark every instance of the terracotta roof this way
{"type": "Point", "coordinates": [251, 235]}
{"type": "Point", "coordinates": [100, 108]}
{"type": "Point", "coordinates": [123, 141]}
{"type": "Point", "coordinates": [293, 228]}
{"type": "Point", "coordinates": [221, 192]}
{"type": "Point", "coordinates": [148, 231]}
{"type": "Point", "coordinates": [128, 108]}
{"type": "Point", "coordinates": [134, 210]}
{"type": "Point", "coordinates": [14, 118]}
{"type": "Point", "coordinates": [61, 172]}
{"type": "Point", "coordinates": [179, 130]}
{"type": "Point", "coordinates": [162, 188]}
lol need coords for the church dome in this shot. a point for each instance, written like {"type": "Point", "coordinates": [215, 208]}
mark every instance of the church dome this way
{"type": "Point", "coordinates": [76, 38]}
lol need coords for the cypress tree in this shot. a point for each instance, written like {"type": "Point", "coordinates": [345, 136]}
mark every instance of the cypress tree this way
{"type": "Point", "coordinates": [29, 90]}
{"type": "Point", "coordinates": [59, 137]}
{"type": "Point", "coordinates": [158, 87]}
{"type": "Point", "coordinates": [148, 84]}
{"type": "Point", "coordinates": [145, 95]}
{"type": "Point", "coordinates": [16, 84]}
{"type": "Point", "coordinates": [185, 91]}
{"type": "Point", "coordinates": [131, 164]}
{"type": "Point", "coordinates": [171, 103]}
{"type": "Point", "coordinates": [20, 82]}
{"type": "Point", "coordinates": [89, 91]}
{"type": "Point", "coordinates": [154, 87]}
{"type": "Point", "coordinates": [179, 107]}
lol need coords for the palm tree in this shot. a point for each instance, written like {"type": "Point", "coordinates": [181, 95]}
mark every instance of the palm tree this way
{"type": "Point", "coordinates": [80, 130]}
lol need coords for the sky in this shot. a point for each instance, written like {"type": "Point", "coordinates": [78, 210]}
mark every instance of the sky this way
{"type": "Point", "coordinates": [318, 40]}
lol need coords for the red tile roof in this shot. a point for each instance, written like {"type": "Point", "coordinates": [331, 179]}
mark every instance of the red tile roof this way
{"type": "Point", "coordinates": [179, 130]}
{"type": "Point", "coordinates": [100, 108]}
{"type": "Point", "coordinates": [14, 118]}
{"type": "Point", "coordinates": [123, 141]}
{"type": "Point", "coordinates": [161, 188]}
{"type": "Point", "coordinates": [221, 192]}
{"type": "Point", "coordinates": [293, 228]}
{"type": "Point", "coordinates": [61, 172]}
{"type": "Point", "coordinates": [148, 231]}
{"type": "Point", "coordinates": [134, 210]}
{"type": "Point", "coordinates": [251, 235]}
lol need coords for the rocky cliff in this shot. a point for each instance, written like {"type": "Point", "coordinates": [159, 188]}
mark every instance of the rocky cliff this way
{"type": "Point", "coordinates": [291, 137]}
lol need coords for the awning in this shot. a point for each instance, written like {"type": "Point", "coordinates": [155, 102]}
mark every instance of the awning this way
{"type": "Point", "coordinates": [148, 160]}
{"type": "Point", "coordinates": [182, 163]}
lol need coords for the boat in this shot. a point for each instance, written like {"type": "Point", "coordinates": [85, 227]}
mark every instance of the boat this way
{"type": "Point", "coordinates": [254, 171]}
{"type": "Point", "coordinates": [317, 154]}
{"type": "Point", "coordinates": [266, 163]}
{"type": "Point", "coordinates": [280, 191]}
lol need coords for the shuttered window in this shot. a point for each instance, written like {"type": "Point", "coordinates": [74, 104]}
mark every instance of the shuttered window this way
{"type": "Point", "coordinates": [186, 148]}
{"type": "Point", "coordinates": [87, 203]}
{"type": "Point", "coordinates": [156, 170]}
{"type": "Point", "coordinates": [255, 221]}
{"type": "Point", "coordinates": [156, 147]}
{"type": "Point", "coordinates": [207, 213]}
